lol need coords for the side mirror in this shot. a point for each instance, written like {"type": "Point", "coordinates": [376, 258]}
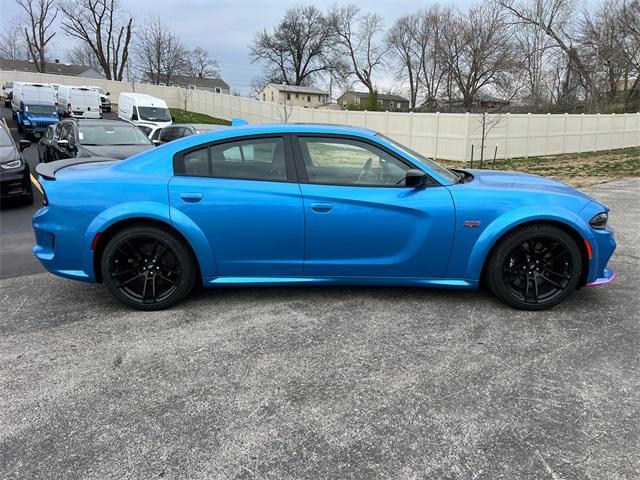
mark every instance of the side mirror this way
{"type": "Point", "coordinates": [415, 178]}
{"type": "Point", "coordinates": [63, 143]}
{"type": "Point", "coordinates": [108, 93]}
{"type": "Point", "coordinates": [173, 119]}
{"type": "Point", "coordinates": [24, 144]}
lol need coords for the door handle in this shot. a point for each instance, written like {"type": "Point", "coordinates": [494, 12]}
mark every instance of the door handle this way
{"type": "Point", "coordinates": [191, 197]}
{"type": "Point", "coordinates": [320, 207]}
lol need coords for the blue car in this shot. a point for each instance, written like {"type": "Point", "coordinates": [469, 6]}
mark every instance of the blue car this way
{"type": "Point", "coordinates": [313, 205]}
{"type": "Point", "coordinates": [33, 119]}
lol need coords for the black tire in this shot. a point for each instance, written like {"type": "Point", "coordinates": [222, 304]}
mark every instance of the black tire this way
{"type": "Point", "coordinates": [534, 267]}
{"type": "Point", "coordinates": [157, 259]}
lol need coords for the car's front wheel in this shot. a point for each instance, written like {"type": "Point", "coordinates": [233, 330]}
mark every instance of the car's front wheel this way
{"type": "Point", "coordinates": [147, 268]}
{"type": "Point", "coordinates": [535, 267]}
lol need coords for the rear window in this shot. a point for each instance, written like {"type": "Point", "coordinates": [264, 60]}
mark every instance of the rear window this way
{"type": "Point", "coordinates": [111, 135]}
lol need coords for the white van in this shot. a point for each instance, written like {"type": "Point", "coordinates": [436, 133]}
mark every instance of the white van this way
{"type": "Point", "coordinates": [41, 94]}
{"type": "Point", "coordinates": [79, 102]}
{"type": "Point", "coordinates": [147, 112]}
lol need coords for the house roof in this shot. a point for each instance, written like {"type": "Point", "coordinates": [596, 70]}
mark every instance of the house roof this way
{"type": "Point", "coordinates": [59, 68]}
{"type": "Point", "coordinates": [297, 89]}
{"type": "Point", "coordinates": [197, 81]}
{"type": "Point", "coordinates": [381, 96]}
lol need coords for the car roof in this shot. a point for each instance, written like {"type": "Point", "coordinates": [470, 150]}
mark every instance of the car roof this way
{"type": "Point", "coordinates": [330, 129]}
{"type": "Point", "coordinates": [96, 122]}
{"type": "Point", "coordinates": [198, 126]}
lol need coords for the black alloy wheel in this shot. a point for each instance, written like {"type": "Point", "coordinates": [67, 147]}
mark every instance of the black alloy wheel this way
{"type": "Point", "coordinates": [535, 268]}
{"type": "Point", "coordinates": [147, 268]}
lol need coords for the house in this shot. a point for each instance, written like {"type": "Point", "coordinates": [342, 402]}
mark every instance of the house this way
{"type": "Point", "coordinates": [482, 103]}
{"type": "Point", "coordinates": [54, 67]}
{"type": "Point", "coordinates": [294, 95]}
{"type": "Point", "coordinates": [213, 85]}
{"type": "Point", "coordinates": [359, 101]}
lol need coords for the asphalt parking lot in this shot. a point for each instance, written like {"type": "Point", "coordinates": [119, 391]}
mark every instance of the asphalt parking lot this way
{"type": "Point", "coordinates": [324, 382]}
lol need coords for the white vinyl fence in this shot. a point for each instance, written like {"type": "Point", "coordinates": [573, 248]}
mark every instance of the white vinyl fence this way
{"type": "Point", "coordinates": [447, 136]}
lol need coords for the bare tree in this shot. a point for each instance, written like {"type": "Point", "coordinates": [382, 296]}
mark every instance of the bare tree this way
{"type": "Point", "coordinates": [39, 17]}
{"type": "Point", "coordinates": [630, 25]}
{"type": "Point", "coordinates": [478, 50]}
{"type": "Point", "coordinates": [201, 65]}
{"type": "Point", "coordinates": [159, 52]}
{"type": "Point", "coordinates": [432, 22]}
{"type": "Point", "coordinates": [81, 54]}
{"type": "Point", "coordinates": [553, 18]}
{"type": "Point", "coordinates": [12, 44]}
{"type": "Point", "coordinates": [534, 50]}
{"type": "Point", "coordinates": [356, 38]}
{"type": "Point", "coordinates": [296, 48]}
{"type": "Point", "coordinates": [404, 52]}
{"type": "Point", "coordinates": [101, 26]}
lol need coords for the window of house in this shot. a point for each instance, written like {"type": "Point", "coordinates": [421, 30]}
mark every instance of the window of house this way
{"type": "Point", "coordinates": [398, 105]}
{"type": "Point", "coordinates": [264, 97]}
{"type": "Point", "coordinates": [289, 96]}
{"type": "Point", "coordinates": [297, 95]}
{"type": "Point", "coordinates": [340, 161]}
{"type": "Point", "coordinates": [217, 90]}
{"type": "Point", "coordinates": [308, 98]}
{"type": "Point", "coordinates": [192, 87]}
{"type": "Point", "coordinates": [272, 96]}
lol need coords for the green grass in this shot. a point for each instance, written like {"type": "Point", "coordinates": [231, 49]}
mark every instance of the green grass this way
{"type": "Point", "coordinates": [182, 116]}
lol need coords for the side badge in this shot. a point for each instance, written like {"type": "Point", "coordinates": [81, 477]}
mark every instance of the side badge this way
{"type": "Point", "coordinates": [472, 223]}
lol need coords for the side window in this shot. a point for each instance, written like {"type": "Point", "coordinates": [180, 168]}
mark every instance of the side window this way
{"type": "Point", "coordinates": [253, 159]}
{"type": "Point", "coordinates": [350, 162]}
{"type": "Point", "coordinates": [166, 134]}
{"type": "Point", "coordinates": [196, 162]}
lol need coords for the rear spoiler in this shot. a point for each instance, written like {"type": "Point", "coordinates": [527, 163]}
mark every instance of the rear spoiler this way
{"type": "Point", "coordinates": [48, 170]}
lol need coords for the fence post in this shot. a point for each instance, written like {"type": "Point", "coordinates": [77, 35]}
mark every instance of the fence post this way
{"type": "Point", "coordinates": [506, 136]}
{"type": "Point", "coordinates": [580, 136]}
{"type": "Point", "coordinates": [595, 144]}
{"type": "Point", "coordinates": [564, 133]}
{"type": "Point", "coordinates": [466, 135]}
{"type": "Point", "coordinates": [386, 118]}
{"type": "Point", "coordinates": [526, 143]}
{"type": "Point", "coordinates": [547, 143]}
{"type": "Point", "coordinates": [411, 129]}
{"type": "Point", "coordinates": [435, 155]}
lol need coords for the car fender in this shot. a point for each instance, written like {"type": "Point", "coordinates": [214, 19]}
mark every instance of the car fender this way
{"type": "Point", "coordinates": [512, 219]}
{"type": "Point", "coordinates": [153, 211]}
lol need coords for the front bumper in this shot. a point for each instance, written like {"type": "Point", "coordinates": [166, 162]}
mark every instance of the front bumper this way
{"type": "Point", "coordinates": [15, 184]}
{"type": "Point", "coordinates": [609, 276]}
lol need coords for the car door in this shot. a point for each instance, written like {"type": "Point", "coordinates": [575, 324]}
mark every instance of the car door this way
{"type": "Point", "coordinates": [360, 218]}
{"type": "Point", "coordinates": [61, 152]}
{"type": "Point", "coordinates": [243, 195]}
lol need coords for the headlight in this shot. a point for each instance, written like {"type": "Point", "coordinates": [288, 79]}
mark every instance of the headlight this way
{"type": "Point", "coordinates": [26, 121]}
{"type": "Point", "coordinates": [599, 221]}
{"type": "Point", "coordinates": [11, 165]}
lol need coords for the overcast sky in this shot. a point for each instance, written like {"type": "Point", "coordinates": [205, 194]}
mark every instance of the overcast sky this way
{"type": "Point", "coordinates": [225, 27]}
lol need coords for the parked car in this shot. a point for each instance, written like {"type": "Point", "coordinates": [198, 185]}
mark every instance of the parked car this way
{"type": "Point", "coordinates": [96, 138]}
{"type": "Point", "coordinates": [7, 92]}
{"type": "Point", "coordinates": [180, 130]}
{"type": "Point", "coordinates": [46, 144]}
{"type": "Point", "coordinates": [36, 109]}
{"type": "Point", "coordinates": [14, 170]}
{"type": "Point", "coordinates": [105, 99]}
{"type": "Point", "coordinates": [79, 102]}
{"type": "Point", "coordinates": [147, 112]}
{"type": "Point", "coordinates": [296, 204]}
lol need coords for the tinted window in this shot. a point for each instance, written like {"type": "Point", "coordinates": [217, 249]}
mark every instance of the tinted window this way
{"type": "Point", "coordinates": [350, 162]}
{"type": "Point", "coordinates": [111, 134]}
{"type": "Point", "coordinates": [256, 159]}
{"type": "Point", "coordinates": [5, 138]}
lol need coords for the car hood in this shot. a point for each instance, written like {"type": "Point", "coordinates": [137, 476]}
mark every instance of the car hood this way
{"type": "Point", "coordinates": [522, 181]}
{"type": "Point", "coordinates": [119, 152]}
{"type": "Point", "coordinates": [8, 153]}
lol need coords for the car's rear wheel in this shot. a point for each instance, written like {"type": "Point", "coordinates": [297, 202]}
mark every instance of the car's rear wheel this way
{"type": "Point", "coordinates": [535, 267]}
{"type": "Point", "coordinates": [147, 268]}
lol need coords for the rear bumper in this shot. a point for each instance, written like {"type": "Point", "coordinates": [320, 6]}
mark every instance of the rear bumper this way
{"type": "Point", "coordinates": [60, 241]}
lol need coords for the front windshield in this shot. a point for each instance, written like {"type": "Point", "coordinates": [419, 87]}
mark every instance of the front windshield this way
{"type": "Point", "coordinates": [8, 85]}
{"type": "Point", "coordinates": [40, 109]}
{"type": "Point", "coordinates": [444, 172]}
{"type": "Point", "coordinates": [5, 139]}
{"type": "Point", "coordinates": [154, 114]}
{"type": "Point", "coordinates": [111, 135]}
